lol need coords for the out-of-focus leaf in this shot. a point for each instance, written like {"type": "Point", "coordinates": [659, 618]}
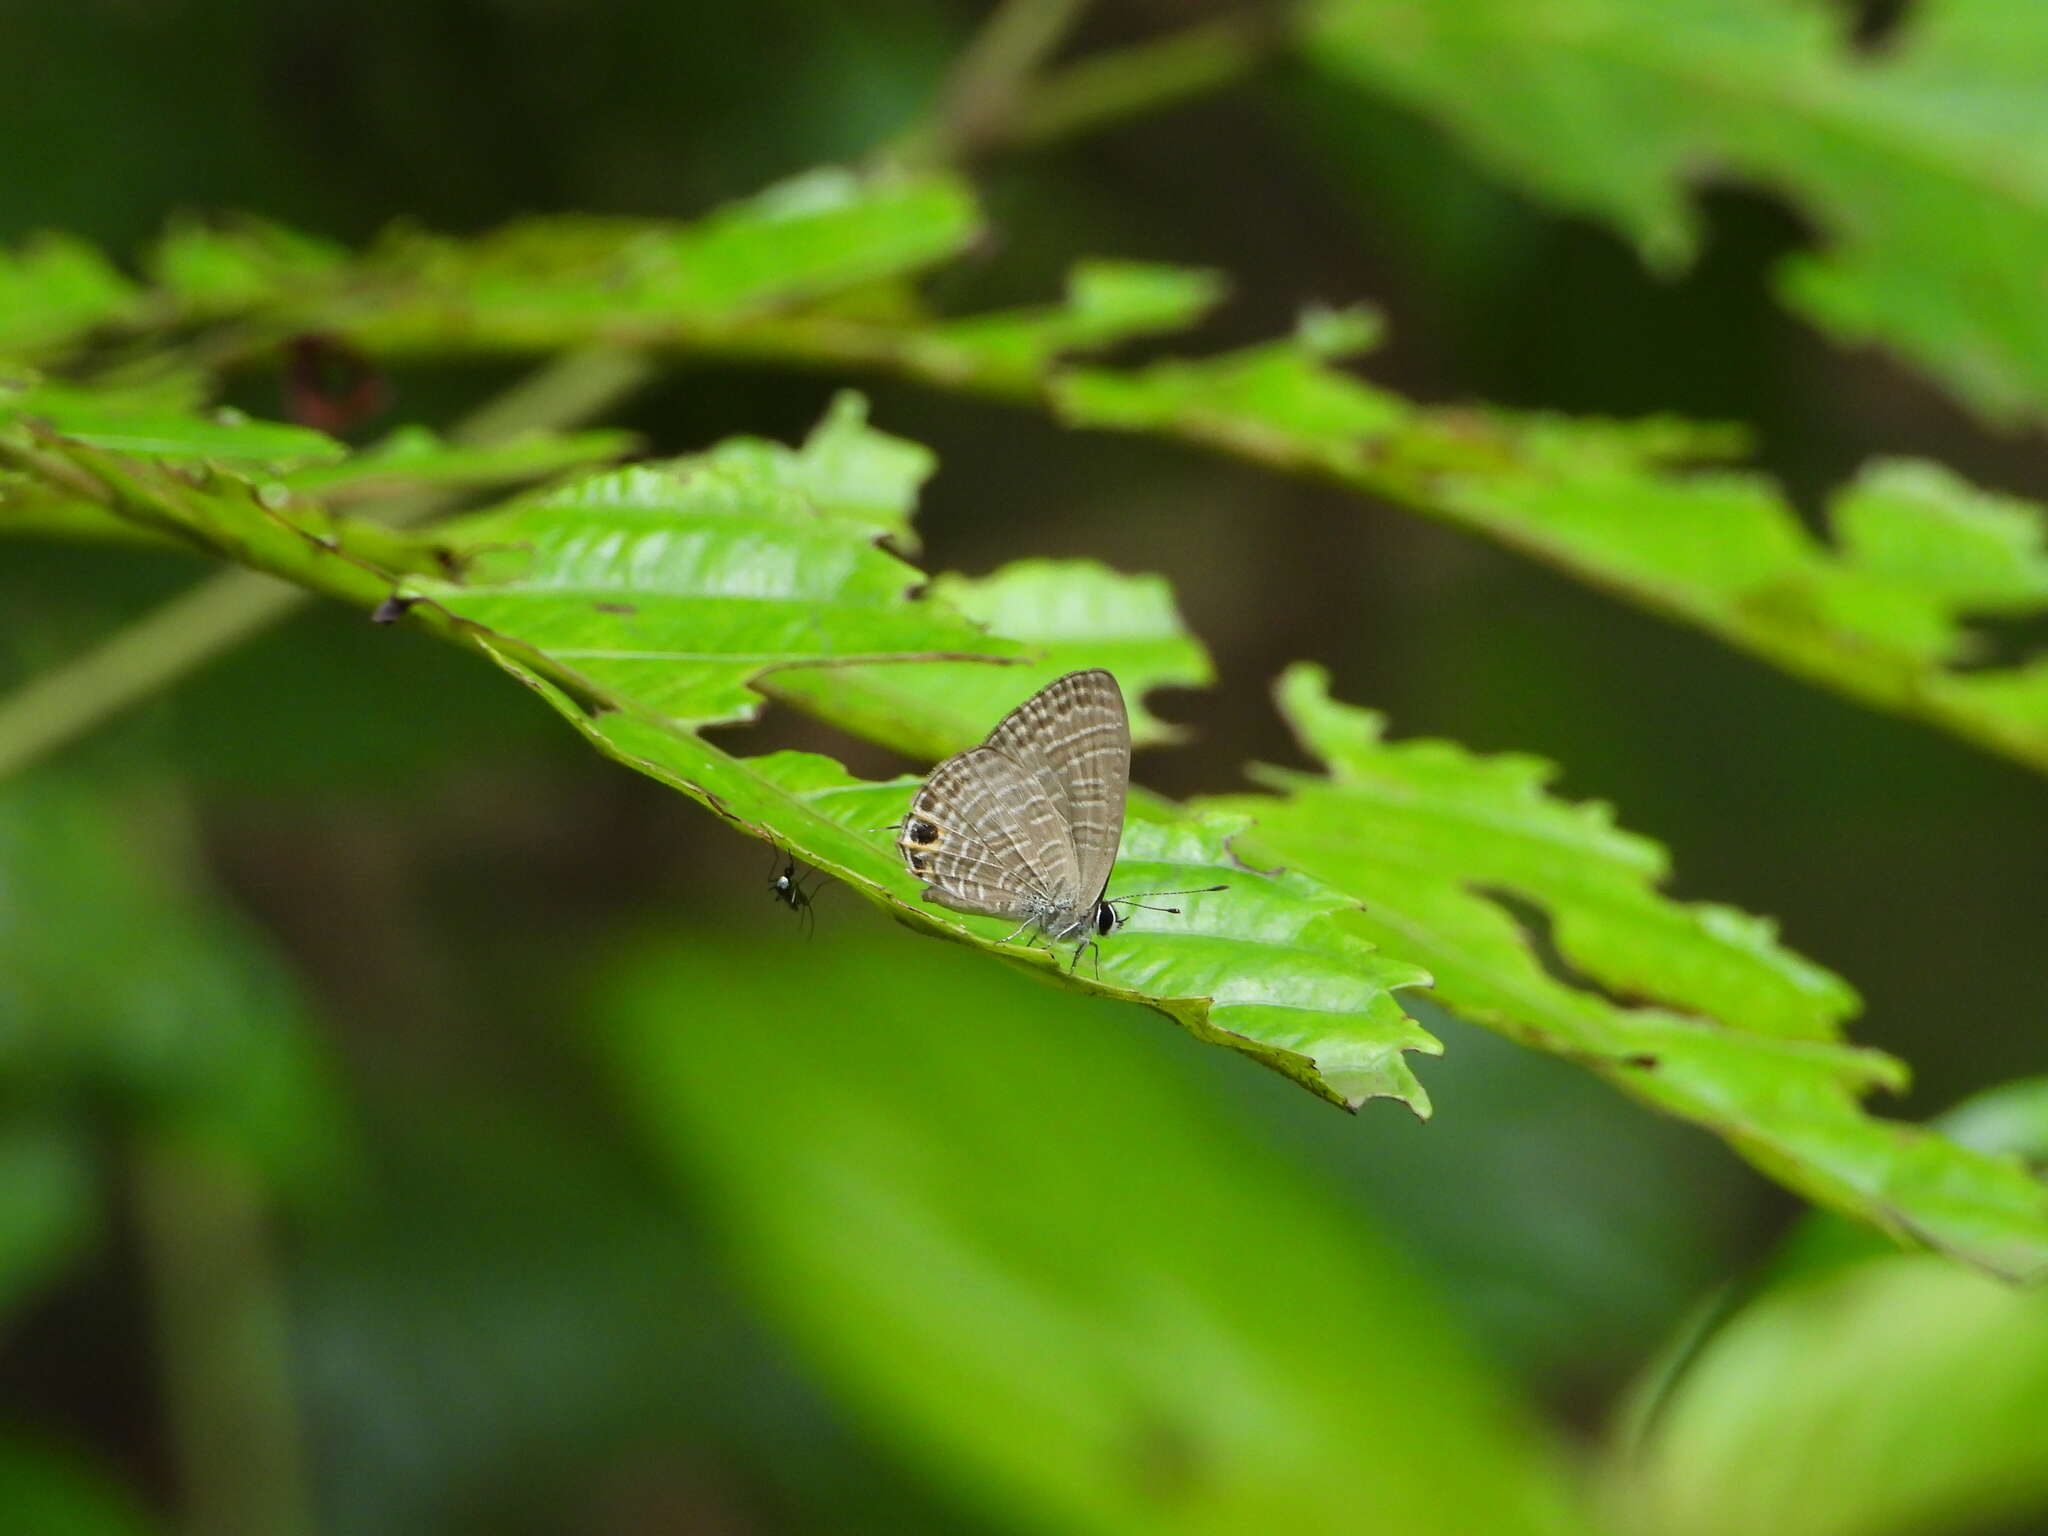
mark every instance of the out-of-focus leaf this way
{"type": "Point", "coordinates": [1892, 1394]}
{"type": "Point", "coordinates": [1881, 617]}
{"type": "Point", "coordinates": [1446, 851]}
{"type": "Point", "coordinates": [1062, 1283]}
{"type": "Point", "coordinates": [793, 277]}
{"type": "Point", "coordinates": [144, 427]}
{"type": "Point", "coordinates": [51, 1489]}
{"type": "Point", "coordinates": [122, 977]}
{"type": "Point", "coordinates": [574, 280]}
{"type": "Point", "coordinates": [213, 270]}
{"type": "Point", "coordinates": [2012, 1117]}
{"type": "Point", "coordinates": [1566, 1227]}
{"type": "Point", "coordinates": [812, 271]}
{"type": "Point", "coordinates": [1106, 302]}
{"type": "Point", "coordinates": [414, 457]}
{"type": "Point", "coordinates": [1924, 164]}
{"type": "Point", "coordinates": [53, 290]}
{"type": "Point", "coordinates": [523, 1317]}
{"type": "Point", "coordinates": [539, 284]}
{"type": "Point", "coordinates": [1073, 613]}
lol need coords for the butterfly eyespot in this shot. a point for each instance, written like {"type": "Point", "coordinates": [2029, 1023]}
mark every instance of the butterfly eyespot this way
{"type": "Point", "coordinates": [918, 862]}
{"type": "Point", "coordinates": [922, 832]}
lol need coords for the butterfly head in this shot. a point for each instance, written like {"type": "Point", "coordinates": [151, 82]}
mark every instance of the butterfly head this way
{"type": "Point", "coordinates": [919, 836]}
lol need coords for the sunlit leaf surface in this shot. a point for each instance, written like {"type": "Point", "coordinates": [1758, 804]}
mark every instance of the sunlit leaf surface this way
{"type": "Point", "coordinates": [1540, 918]}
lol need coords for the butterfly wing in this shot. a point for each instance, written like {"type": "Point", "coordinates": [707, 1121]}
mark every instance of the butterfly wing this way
{"type": "Point", "coordinates": [1074, 738]}
{"type": "Point", "coordinates": [986, 835]}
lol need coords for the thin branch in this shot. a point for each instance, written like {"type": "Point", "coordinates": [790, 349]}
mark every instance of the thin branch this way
{"type": "Point", "coordinates": [215, 615]}
{"type": "Point", "coordinates": [992, 75]}
{"type": "Point", "coordinates": [1107, 87]}
{"type": "Point", "coordinates": [223, 1351]}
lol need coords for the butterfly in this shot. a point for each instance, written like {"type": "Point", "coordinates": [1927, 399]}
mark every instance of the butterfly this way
{"type": "Point", "coordinates": [1026, 825]}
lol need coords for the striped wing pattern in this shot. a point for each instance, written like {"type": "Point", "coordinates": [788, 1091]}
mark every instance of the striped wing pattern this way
{"type": "Point", "coordinates": [983, 831]}
{"type": "Point", "coordinates": [1074, 738]}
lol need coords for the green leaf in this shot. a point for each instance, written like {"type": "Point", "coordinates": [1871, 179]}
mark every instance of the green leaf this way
{"type": "Point", "coordinates": [1924, 165]}
{"type": "Point", "coordinates": [668, 588]}
{"type": "Point", "coordinates": [1696, 1010]}
{"type": "Point", "coordinates": [142, 427]}
{"type": "Point", "coordinates": [1055, 1276]}
{"type": "Point", "coordinates": [1273, 966]}
{"type": "Point", "coordinates": [1882, 617]}
{"type": "Point", "coordinates": [52, 291]}
{"type": "Point", "coordinates": [573, 280]}
{"type": "Point", "coordinates": [811, 274]}
{"type": "Point", "coordinates": [414, 458]}
{"type": "Point", "coordinates": [645, 603]}
{"type": "Point", "coordinates": [1899, 1393]}
{"type": "Point", "coordinates": [811, 271]}
{"type": "Point", "coordinates": [1276, 402]}
{"type": "Point", "coordinates": [218, 270]}
{"type": "Point", "coordinates": [1106, 302]}
{"type": "Point", "coordinates": [536, 285]}
{"type": "Point", "coordinates": [1072, 613]}
{"type": "Point", "coordinates": [2012, 1117]}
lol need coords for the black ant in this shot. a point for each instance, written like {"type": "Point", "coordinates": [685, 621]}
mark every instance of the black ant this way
{"type": "Point", "coordinates": [788, 889]}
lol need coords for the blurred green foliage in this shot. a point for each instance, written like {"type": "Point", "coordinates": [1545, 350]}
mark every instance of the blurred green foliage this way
{"type": "Point", "coordinates": [408, 1123]}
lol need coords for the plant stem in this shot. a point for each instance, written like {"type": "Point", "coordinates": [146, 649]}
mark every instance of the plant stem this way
{"type": "Point", "coordinates": [991, 76]}
{"type": "Point", "coordinates": [997, 100]}
{"type": "Point", "coordinates": [1107, 87]}
{"type": "Point", "coordinates": [216, 614]}
{"type": "Point", "coordinates": [222, 1343]}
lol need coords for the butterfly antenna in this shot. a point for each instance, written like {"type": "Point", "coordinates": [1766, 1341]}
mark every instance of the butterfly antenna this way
{"type": "Point", "coordinates": [1136, 898]}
